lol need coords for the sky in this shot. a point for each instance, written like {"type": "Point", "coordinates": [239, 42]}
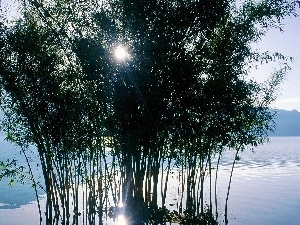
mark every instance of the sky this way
{"type": "Point", "coordinates": [287, 43]}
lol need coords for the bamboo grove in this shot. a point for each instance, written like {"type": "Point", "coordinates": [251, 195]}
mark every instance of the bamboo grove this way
{"type": "Point", "coordinates": [109, 132]}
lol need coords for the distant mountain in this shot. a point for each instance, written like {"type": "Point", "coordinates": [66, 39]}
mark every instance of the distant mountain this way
{"type": "Point", "coordinates": [287, 123]}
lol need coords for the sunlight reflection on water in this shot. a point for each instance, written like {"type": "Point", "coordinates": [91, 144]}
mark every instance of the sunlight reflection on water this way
{"type": "Point", "coordinates": [121, 220]}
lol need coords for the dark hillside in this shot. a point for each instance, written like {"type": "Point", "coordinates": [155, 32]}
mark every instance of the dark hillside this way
{"type": "Point", "coordinates": [287, 123]}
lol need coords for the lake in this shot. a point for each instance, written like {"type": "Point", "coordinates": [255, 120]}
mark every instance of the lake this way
{"type": "Point", "coordinates": [264, 190]}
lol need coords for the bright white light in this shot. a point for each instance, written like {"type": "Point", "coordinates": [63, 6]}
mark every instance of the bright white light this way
{"type": "Point", "coordinates": [120, 205]}
{"type": "Point", "coordinates": [121, 220]}
{"type": "Point", "coordinates": [120, 53]}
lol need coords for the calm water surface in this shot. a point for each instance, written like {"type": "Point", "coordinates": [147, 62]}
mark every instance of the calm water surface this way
{"type": "Point", "coordinates": [265, 188]}
{"type": "Point", "coordinates": [266, 185]}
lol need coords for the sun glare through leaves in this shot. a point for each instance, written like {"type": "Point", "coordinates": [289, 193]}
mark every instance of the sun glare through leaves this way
{"type": "Point", "coordinates": [120, 53]}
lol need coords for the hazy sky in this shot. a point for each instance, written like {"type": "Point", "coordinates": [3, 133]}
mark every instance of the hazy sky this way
{"type": "Point", "coordinates": [287, 43]}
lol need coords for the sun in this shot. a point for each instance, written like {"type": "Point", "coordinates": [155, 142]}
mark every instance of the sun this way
{"type": "Point", "coordinates": [120, 53]}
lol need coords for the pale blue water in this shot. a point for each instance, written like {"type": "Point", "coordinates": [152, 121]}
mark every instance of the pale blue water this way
{"type": "Point", "coordinates": [265, 187]}
{"type": "Point", "coordinates": [20, 193]}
